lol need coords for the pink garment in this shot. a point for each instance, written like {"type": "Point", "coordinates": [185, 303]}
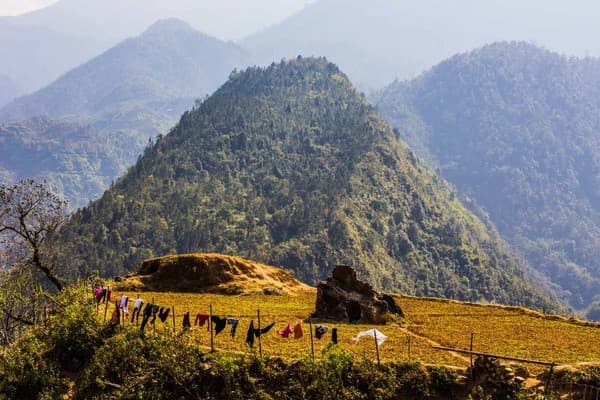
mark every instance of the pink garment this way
{"type": "Point", "coordinates": [97, 292]}
{"type": "Point", "coordinates": [285, 332]}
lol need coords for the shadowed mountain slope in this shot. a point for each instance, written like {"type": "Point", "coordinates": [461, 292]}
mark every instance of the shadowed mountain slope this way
{"type": "Point", "coordinates": [517, 129]}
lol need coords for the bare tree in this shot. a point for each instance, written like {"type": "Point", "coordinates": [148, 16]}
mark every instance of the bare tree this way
{"type": "Point", "coordinates": [29, 213]}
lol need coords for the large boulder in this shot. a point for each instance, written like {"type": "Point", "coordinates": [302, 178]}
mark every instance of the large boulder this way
{"type": "Point", "coordinates": [342, 297]}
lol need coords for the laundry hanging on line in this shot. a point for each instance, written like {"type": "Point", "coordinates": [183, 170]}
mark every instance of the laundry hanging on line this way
{"type": "Point", "coordinates": [234, 323]}
{"type": "Point", "coordinates": [374, 333]}
{"type": "Point", "coordinates": [298, 333]}
{"type": "Point", "coordinates": [285, 332]}
{"type": "Point", "coordinates": [255, 332]}
{"type": "Point", "coordinates": [201, 319]}
{"type": "Point", "coordinates": [219, 323]}
{"type": "Point", "coordinates": [186, 321]}
{"type": "Point", "coordinates": [320, 330]}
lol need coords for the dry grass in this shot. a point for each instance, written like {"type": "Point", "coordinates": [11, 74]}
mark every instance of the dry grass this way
{"type": "Point", "coordinates": [505, 331]}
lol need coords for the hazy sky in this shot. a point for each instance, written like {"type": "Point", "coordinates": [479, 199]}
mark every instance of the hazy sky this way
{"type": "Point", "coordinates": [16, 7]}
{"type": "Point", "coordinates": [226, 19]}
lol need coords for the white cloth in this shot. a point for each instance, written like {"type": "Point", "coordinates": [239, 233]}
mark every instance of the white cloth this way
{"type": "Point", "coordinates": [374, 333]}
{"type": "Point", "coordinates": [138, 303]}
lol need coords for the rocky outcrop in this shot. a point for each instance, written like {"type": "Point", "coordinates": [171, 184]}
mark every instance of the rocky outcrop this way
{"type": "Point", "coordinates": [342, 297]}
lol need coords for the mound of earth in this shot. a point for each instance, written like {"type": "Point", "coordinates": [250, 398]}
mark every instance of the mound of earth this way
{"type": "Point", "coordinates": [207, 272]}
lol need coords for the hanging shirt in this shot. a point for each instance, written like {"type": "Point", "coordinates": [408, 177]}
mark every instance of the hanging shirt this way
{"type": "Point", "coordinates": [298, 331]}
{"type": "Point", "coordinates": [116, 315]}
{"type": "Point", "coordinates": [286, 331]}
{"type": "Point", "coordinates": [219, 323]}
{"type": "Point", "coordinates": [201, 319]}
{"type": "Point", "coordinates": [334, 338]}
{"type": "Point", "coordinates": [163, 314]}
{"type": "Point", "coordinates": [320, 330]}
{"type": "Point", "coordinates": [234, 323]}
{"type": "Point", "coordinates": [374, 333]}
{"type": "Point", "coordinates": [123, 305]}
{"type": "Point", "coordinates": [186, 321]}
{"type": "Point", "coordinates": [138, 303]}
{"type": "Point", "coordinates": [262, 331]}
{"type": "Point", "coordinates": [250, 334]}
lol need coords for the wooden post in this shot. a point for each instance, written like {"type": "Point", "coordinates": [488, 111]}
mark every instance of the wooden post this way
{"type": "Point", "coordinates": [409, 348]}
{"type": "Point", "coordinates": [548, 381]}
{"type": "Point", "coordinates": [471, 349]}
{"type": "Point", "coordinates": [105, 311]}
{"type": "Point", "coordinates": [312, 344]}
{"type": "Point", "coordinates": [212, 345]}
{"type": "Point", "coordinates": [259, 336]}
{"type": "Point", "coordinates": [173, 320]}
{"type": "Point", "coordinates": [376, 347]}
{"type": "Point", "coordinates": [154, 323]}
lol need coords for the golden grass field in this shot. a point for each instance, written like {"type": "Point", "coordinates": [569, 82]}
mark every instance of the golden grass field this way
{"type": "Point", "coordinates": [507, 331]}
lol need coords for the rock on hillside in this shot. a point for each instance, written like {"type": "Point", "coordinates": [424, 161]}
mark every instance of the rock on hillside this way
{"type": "Point", "coordinates": [212, 273]}
{"type": "Point", "coordinates": [290, 165]}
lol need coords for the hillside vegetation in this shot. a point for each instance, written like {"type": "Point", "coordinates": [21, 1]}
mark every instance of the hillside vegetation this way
{"type": "Point", "coordinates": [516, 129]}
{"type": "Point", "coordinates": [290, 166]}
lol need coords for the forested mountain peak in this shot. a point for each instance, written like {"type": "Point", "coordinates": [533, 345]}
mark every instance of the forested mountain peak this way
{"type": "Point", "coordinates": [516, 128]}
{"type": "Point", "coordinates": [290, 165]}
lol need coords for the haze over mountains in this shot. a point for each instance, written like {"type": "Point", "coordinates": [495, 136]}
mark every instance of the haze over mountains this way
{"type": "Point", "coordinates": [290, 165]}
{"type": "Point", "coordinates": [136, 90]}
{"type": "Point", "coordinates": [517, 129]}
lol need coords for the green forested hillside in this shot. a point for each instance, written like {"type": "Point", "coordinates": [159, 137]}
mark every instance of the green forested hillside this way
{"type": "Point", "coordinates": [75, 160]}
{"type": "Point", "coordinates": [133, 92]}
{"type": "Point", "coordinates": [517, 129]}
{"type": "Point", "coordinates": [289, 165]}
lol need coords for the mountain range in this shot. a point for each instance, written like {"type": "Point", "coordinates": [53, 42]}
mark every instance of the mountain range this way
{"type": "Point", "coordinates": [134, 91]}
{"type": "Point", "coordinates": [290, 165]}
{"type": "Point", "coordinates": [516, 128]}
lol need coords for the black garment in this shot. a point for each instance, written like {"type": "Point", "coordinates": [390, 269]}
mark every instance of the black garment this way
{"type": "Point", "coordinates": [155, 310]}
{"type": "Point", "coordinates": [147, 315]}
{"type": "Point", "coordinates": [320, 330]}
{"type": "Point", "coordinates": [136, 313]}
{"type": "Point", "coordinates": [164, 314]}
{"type": "Point", "coordinates": [250, 334]}
{"type": "Point", "coordinates": [220, 324]}
{"type": "Point", "coordinates": [186, 321]}
{"type": "Point", "coordinates": [102, 296]}
{"type": "Point", "coordinates": [258, 332]}
{"type": "Point", "coordinates": [334, 335]}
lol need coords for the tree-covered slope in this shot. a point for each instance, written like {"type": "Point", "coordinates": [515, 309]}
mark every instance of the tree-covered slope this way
{"type": "Point", "coordinates": [517, 129]}
{"type": "Point", "coordinates": [75, 160]}
{"type": "Point", "coordinates": [289, 165]}
{"type": "Point", "coordinates": [131, 93]}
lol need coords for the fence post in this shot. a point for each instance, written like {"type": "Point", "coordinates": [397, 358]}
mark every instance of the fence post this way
{"type": "Point", "coordinates": [376, 347]}
{"type": "Point", "coordinates": [259, 336]}
{"type": "Point", "coordinates": [173, 320]}
{"type": "Point", "coordinates": [212, 346]}
{"type": "Point", "coordinates": [549, 381]}
{"type": "Point", "coordinates": [312, 345]}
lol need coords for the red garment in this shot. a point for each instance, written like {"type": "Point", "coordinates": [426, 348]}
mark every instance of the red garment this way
{"type": "Point", "coordinates": [298, 331]}
{"type": "Point", "coordinates": [201, 319]}
{"type": "Point", "coordinates": [285, 332]}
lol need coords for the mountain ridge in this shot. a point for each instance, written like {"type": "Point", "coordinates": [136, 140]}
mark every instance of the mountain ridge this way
{"type": "Point", "coordinates": [513, 126]}
{"type": "Point", "coordinates": [290, 166]}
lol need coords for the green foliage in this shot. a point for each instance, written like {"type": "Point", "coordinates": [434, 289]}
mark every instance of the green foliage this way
{"type": "Point", "coordinates": [514, 127]}
{"type": "Point", "coordinates": [290, 166]}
